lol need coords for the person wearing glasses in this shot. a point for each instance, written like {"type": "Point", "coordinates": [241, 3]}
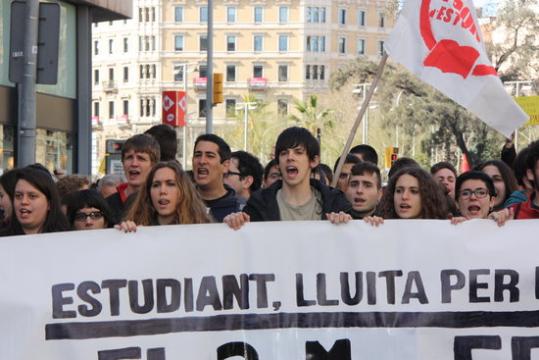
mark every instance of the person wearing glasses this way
{"type": "Point", "coordinates": [244, 175]}
{"type": "Point", "coordinates": [476, 197]}
{"type": "Point", "coordinates": [87, 210]}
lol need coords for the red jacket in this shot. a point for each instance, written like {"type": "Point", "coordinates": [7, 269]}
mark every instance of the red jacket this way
{"type": "Point", "coordinates": [527, 209]}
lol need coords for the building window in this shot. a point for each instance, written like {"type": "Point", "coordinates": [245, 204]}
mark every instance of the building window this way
{"type": "Point", "coordinates": [283, 14]}
{"type": "Point", "coordinates": [316, 43]}
{"type": "Point", "coordinates": [179, 72]}
{"type": "Point", "coordinates": [231, 73]}
{"type": "Point", "coordinates": [203, 14]}
{"type": "Point", "coordinates": [316, 14]}
{"type": "Point", "coordinates": [178, 13]}
{"type": "Point", "coordinates": [380, 48]}
{"type": "Point", "coordinates": [142, 71]}
{"type": "Point", "coordinates": [283, 73]}
{"type": "Point", "coordinates": [231, 43]}
{"type": "Point", "coordinates": [230, 107]}
{"type": "Point", "coordinates": [96, 47]}
{"type": "Point", "coordinates": [203, 71]}
{"type": "Point", "coordinates": [283, 43]}
{"type": "Point", "coordinates": [147, 72]}
{"type": "Point", "coordinates": [202, 108]}
{"type": "Point", "coordinates": [126, 74]}
{"type": "Point", "coordinates": [111, 74]}
{"type": "Point", "coordinates": [111, 109]}
{"type": "Point", "coordinates": [342, 16]}
{"type": "Point", "coordinates": [203, 42]}
{"type": "Point", "coordinates": [96, 109]}
{"type": "Point", "coordinates": [361, 46]}
{"type": "Point", "coordinates": [258, 43]}
{"type": "Point", "coordinates": [361, 17]}
{"type": "Point", "coordinates": [178, 43]}
{"type": "Point", "coordinates": [342, 45]}
{"type": "Point", "coordinates": [126, 45]}
{"type": "Point", "coordinates": [381, 20]}
{"type": "Point", "coordinates": [147, 14]}
{"type": "Point", "coordinates": [258, 14]}
{"type": "Point", "coordinates": [322, 72]}
{"type": "Point", "coordinates": [154, 71]}
{"type": "Point", "coordinates": [282, 107]}
{"type": "Point", "coordinates": [147, 43]}
{"type": "Point", "coordinates": [307, 72]}
{"type": "Point", "coordinates": [153, 42]}
{"type": "Point", "coordinates": [140, 43]}
{"type": "Point", "coordinates": [258, 71]}
{"type": "Point", "coordinates": [231, 14]}
{"type": "Point", "coordinates": [142, 107]}
{"type": "Point", "coordinates": [126, 107]}
{"type": "Point", "coordinates": [140, 14]}
{"type": "Point", "coordinates": [315, 72]}
{"type": "Point", "coordinates": [153, 14]}
{"type": "Point", "coordinates": [96, 77]}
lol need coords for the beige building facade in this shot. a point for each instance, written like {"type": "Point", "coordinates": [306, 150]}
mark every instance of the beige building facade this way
{"type": "Point", "coordinates": [277, 51]}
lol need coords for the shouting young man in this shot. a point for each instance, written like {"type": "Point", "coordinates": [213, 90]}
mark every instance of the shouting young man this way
{"type": "Point", "coordinates": [364, 189]}
{"type": "Point", "coordinates": [296, 196]}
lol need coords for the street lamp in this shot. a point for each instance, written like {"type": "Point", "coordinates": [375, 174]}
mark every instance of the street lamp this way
{"type": "Point", "coordinates": [245, 106]}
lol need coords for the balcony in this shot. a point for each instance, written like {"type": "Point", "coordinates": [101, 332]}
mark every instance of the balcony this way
{"type": "Point", "coordinates": [122, 121]}
{"type": "Point", "coordinates": [257, 83]}
{"type": "Point", "coordinates": [96, 122]}
{"type": "Point", "coordinates": [109, 86]}
{"type": "Point", "coordinates": [200, 83]}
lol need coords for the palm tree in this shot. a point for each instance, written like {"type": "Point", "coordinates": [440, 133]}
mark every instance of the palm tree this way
{"type": "Point", "coordinates": [312, 117]}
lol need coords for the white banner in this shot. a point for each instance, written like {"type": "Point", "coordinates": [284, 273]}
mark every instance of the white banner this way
{"type": "Point", "coordinates": [406, 290]}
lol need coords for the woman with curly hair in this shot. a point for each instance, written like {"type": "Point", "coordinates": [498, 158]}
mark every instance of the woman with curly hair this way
{"type": "Point", "coordinates": [504, 180]}
{"type": "Point", "coordinates": [168, 197]}
{"type": "Point", "coordinates": [412, 193]}
{"type": "Point", "coordinates": [87, 210]}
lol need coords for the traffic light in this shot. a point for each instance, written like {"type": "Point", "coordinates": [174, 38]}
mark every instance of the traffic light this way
{"type": "Point", "coordinates": [114, 146]}
{"type": "Point", "coordinates": [391, 155]}
{"type": "Point", "coordinates": [217, 88]}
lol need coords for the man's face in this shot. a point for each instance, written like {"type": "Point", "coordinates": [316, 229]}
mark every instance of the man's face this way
{"type": "Point", "coordinates": [233, 177]}
{"type": "Point", "coordinates": [342, 183]}
{"type": "Point", "coordinates": [137, 166]}
{"type": "Point", "coordinates": [447, 179]}
{"type": "Point", "coordinates": [363, 192]}
{"type": "Point", "coordinates": [273, 175]}
{"type": "Point", "coordinates": [208, 170]}
{"type": "Point", "coordinates": [296, 166]}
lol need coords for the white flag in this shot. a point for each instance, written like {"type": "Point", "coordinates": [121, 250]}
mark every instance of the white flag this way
{"type": "Point", "coordinates": [440, 42]}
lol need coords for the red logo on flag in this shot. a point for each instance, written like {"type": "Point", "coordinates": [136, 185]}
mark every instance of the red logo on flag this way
{"type": "Point", "coordinates": [447, 54]}
{"type": "Point", "coordinates": [174, 108]}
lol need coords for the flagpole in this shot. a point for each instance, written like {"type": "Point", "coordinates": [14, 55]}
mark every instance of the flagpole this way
{"type": "Point", "coordinates": [358, 119]}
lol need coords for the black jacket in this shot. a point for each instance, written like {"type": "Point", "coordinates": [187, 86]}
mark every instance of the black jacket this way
{"type": "Point", "coordinates": [262, 205]}
{"type": "Point", "coordinates": [221, 207]}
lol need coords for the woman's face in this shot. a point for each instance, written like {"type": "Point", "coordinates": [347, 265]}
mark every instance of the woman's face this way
{"type": "Point", "coordinates": [474, 201]}
{"type": "Point", "coordinates": [407, 198]}
{"type": "Point", "coordinates": [493, 172]}
{"type": "Point", "coordinates": [30, 207]}
{"type": "Point", "coordinates": [89, 218]}
{"type": "Point", "coordinates": [5, 204]}
{"type": "Point", "coordinates": [165, 193]}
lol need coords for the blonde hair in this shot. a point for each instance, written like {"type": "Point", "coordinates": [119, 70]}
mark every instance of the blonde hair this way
{"type": "Point", "coordinates": [190, 210]}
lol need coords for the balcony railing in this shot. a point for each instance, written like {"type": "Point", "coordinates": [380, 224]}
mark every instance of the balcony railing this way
{"type": "Point", "coordinates": [257, 83]}
{"type": "Point", "coordinates": [200, 83]}
{"type": "Point", "coordinates": [123, 120]}
{"type": "Point", "coordinates": [110, 86]}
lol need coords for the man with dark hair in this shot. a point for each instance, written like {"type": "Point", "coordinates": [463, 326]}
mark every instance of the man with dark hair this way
{"type": "Point", "coordinates": [342, 181]}
{"type": "Point", "coordinates": [271, 173]}
{"type": "Point", "coordinates": [211, 161]}
{"type": "Point", "coordinates": [445, 174]}
{"type": "Point", "coordinates": [244, 174]}
{"type": "Point", "coordinates": [530, 208]}
{"type": "Point", "coordinates": [364, 189]}
{"type": "Point", "coordinates": [365, 153]}
{"type": "Point", "coordinates": [296, 196]}
{"type": "Point", "coordinates": [166, 137]}
{"type": "Point", "coordinates": [139, 153]}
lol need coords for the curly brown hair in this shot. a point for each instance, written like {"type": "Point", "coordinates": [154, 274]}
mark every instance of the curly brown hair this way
{"type": "Point", "coordinates": [433, 201]}
{"type": "Point", "coordinates": [190, 209]}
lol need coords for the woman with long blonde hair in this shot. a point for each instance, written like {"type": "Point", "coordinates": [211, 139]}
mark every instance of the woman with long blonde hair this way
{"type": "Point", "coordinates": [168, 197]}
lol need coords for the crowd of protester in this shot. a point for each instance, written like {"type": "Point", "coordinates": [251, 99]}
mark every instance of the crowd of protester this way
{"type": "Point", "coordinates": [235, 188]}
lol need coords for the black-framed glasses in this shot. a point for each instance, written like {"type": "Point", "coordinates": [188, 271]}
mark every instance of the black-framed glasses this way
{"type": "Point", "coordinates": [94, 215]}
{"type": "Point", "coordinates": [232, 173]}
{"type": "Point", "coordinates": [479, 193]}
